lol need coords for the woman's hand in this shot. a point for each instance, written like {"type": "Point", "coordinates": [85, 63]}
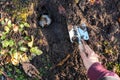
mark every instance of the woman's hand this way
{"type": "Point", "coordinates": [88, 55]}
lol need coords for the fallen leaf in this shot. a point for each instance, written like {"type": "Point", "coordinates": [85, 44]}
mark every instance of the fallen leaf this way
{"type": "Point", "coordinates": [3, 22]}
{"type": "Point", "coordinates": [4, 34]}
{"type": "Point", "coordinates": [23, 48]}
{"type": "Point", "coordinates": [43, 42]}
{"type": "Point", "coordinates": [26, 25]}
{"type": "Point", "coordinates": [11, 43]}
{"type": "Point", "coordinates": [24, 58]}
{"type": "Point", "coordinates": [23, 16]}
{"type": "Point", "coordinates": [31, 9]}
{"type": "Point", "coordinates": [7, 59]}
{"type": "Point", "coordinates": [21, 42]}
{"type": "Point", "coordinates": [5, 43]}
{"type": "Point", "coordinates": [14, 61]}
{"type": "Point", "coordinates": [31, 70]}
{"type": "Point", "coordinates": [9, 23]}
{"type": "Point", "coordinates": [30, 44]}
{"type": "Point", "coordinates": [3, 51]}
{"type": "Point", "coordinates": [6, 19]}
{"type": "Point", "coordinates": [15, 58]}
{"type": "Point", "coordinates": [35, 50]}
{"type": "Point", "coordinates": [7, 29]}
{"type": "Point", "coordinates": [108, 51]}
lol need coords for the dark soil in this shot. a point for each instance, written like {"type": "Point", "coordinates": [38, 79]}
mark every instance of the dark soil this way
{"type": "Point", "coordinates": [61, 59]}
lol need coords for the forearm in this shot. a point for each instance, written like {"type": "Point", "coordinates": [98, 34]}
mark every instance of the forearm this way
{"type": "Point", "coordinates": [97, 71]}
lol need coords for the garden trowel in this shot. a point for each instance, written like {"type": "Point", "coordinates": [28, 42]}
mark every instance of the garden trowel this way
{"type": "Point", "coordinates": [77, 33]}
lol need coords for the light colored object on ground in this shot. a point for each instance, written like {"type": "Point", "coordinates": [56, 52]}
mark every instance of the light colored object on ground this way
{"type": "Point", "coordinates": [31, 70]}
{"type": "Point", "coordinates": [45, 20]}
{"type": "Point", "coordinates": [80, 33]}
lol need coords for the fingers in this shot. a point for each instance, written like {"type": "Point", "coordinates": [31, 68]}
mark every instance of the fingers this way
{"type": "Point", "coordinates": [87, 49]}
{"type": "Point", "coordinates": [82, 53]}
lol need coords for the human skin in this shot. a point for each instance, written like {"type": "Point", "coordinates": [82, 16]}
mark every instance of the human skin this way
{"type": "Point", "coordinates": [95, 70]}
{"type": "Point", "coordinates": [88, 55]}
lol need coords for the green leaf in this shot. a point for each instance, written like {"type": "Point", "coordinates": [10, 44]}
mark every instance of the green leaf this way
{"type": "Point", "coordinates": [2, 22]}
{"type": "Point", "coordinates": [27, 38]}
{"type": "Point", "coordinates": [7, 29]}
{"type": "Point", "coordinates": [23, 48]}
{"type": "Point", "coordinates": [3, 35]}
{"type": "Point", "coordinates": [26, 25]}
{"type": "Point", "coordinates": [36, 51]}
{"type": "Point", "coordinates": [9, 23]}
{"type": "Point", "coordinates": [5, 43]}
{"type": "Point", "coordinates": [21, 25]}
{"type": "Point", "coordinates": [20, 42]}
{"type": "Point", "coordinates": [6, 19]}
{"type": "Point", "coordinates": [11, 43]}
{"type": "Point", "coordinates": [12, 50]}
{"type": "Point", "coordinates": [30, 44]}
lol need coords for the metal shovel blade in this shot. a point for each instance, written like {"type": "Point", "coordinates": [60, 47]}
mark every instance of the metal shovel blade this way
{"type": "Point", "coordinates": [78, 32]}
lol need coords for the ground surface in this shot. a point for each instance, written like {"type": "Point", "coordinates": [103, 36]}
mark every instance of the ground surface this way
{"type": "Point", "coordinates": [60, 59]}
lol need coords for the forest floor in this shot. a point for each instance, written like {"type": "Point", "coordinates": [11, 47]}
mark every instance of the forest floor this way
{"type": "Point", "coordinates": [60, 59]}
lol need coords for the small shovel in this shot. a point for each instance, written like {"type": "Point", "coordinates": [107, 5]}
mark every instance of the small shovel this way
{"type": "Point", "coordinates": [78, 33]}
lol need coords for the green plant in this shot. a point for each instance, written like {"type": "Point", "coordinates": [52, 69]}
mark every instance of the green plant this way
{"type": "Point", "coordinates": [14, 52]}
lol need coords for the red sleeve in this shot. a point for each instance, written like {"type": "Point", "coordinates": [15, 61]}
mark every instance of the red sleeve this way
{"type": "Point", "coordinates": [97, 71]}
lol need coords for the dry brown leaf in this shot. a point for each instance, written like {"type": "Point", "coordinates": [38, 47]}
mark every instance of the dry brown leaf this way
{"type": "Point", "coordinates": [15, 58]}
{"type": "Point", "coordinates": [31, 9]}
{"type": "Point", "coordinates": [30, 44]}
{"type": "Point", "coordinates": [5, 59]}
{"type": "Point", "coordinates": [43, 42]}
{"type": "Point", "coordinates": [30, 70]}
{"type": "Point", "coordinates": [24, 58]}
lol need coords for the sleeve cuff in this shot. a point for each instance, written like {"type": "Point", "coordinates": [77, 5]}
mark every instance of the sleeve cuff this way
{"type": "Point", "coordinates": [96, 71]}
